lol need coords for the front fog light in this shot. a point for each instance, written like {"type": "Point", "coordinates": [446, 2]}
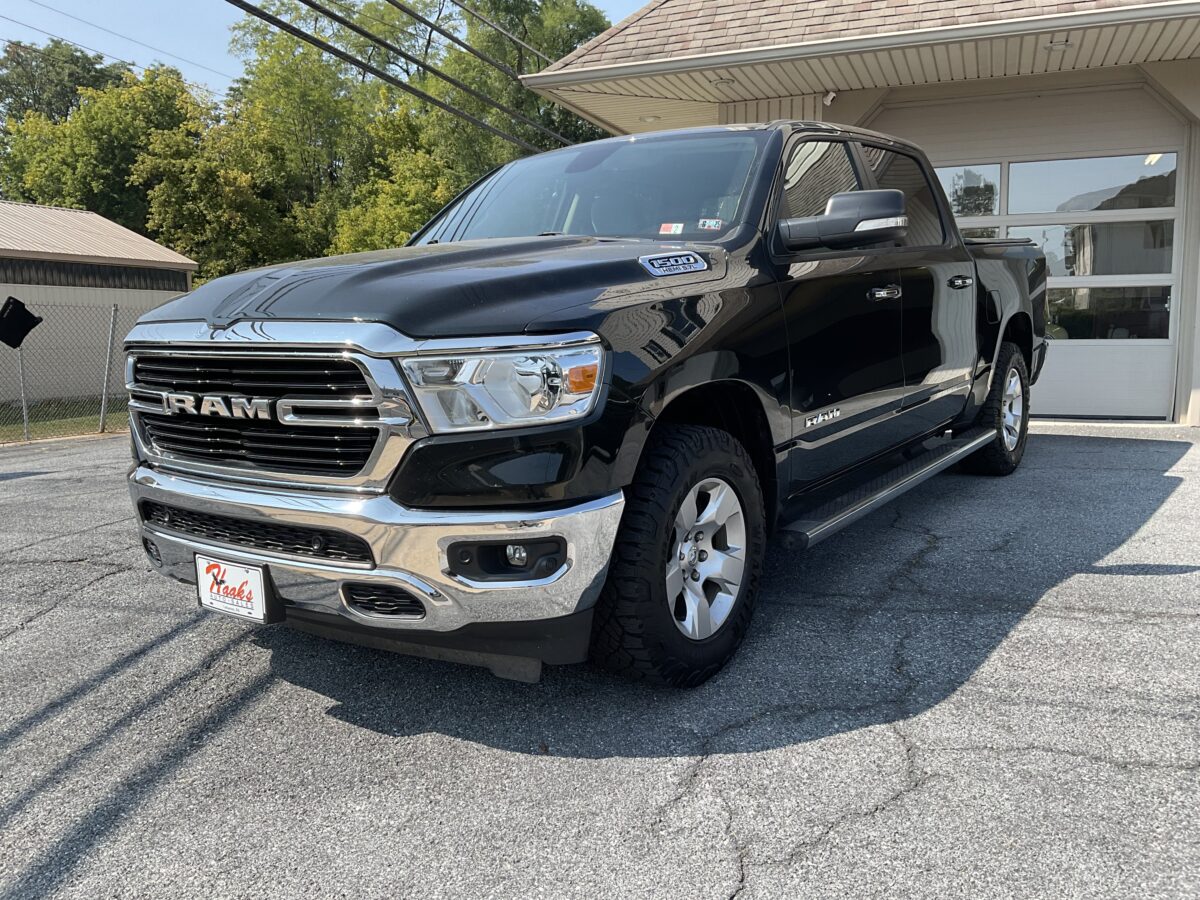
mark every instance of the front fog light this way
{"type": "Point", "coordinates": [506, 390]}
{"type": "Point", "coordinates": [507, 561]}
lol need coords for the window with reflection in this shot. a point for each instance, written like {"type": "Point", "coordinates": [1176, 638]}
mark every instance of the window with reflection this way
{"type": "Point", "coordinates": [896, 171]}
{"type": "Point", "coordinates": [1145, 181]}
{"type": "Point", "coordinates": [1109, 313]}
{"type": "Point", "coordinates": [970, 233]}
{"type": "Point", "coordinates": [972, 190]}
{"type": "Point", "coordinates": [816, 171]}
{"type": "Point", "coordinates": [1107, 248]}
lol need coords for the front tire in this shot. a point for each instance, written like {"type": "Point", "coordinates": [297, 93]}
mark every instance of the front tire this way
{"type": "Point", "coordinates": [1007, 411]}
{"type": "Point", "coordinates": [684, 574]}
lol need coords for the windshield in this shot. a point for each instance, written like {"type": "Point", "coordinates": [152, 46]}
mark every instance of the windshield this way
{"type": "Point", "coordinates": [681, 187]}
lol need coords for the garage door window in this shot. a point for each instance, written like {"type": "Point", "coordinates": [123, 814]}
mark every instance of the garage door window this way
{"type": "Point", "coordinates": [1107, 225]}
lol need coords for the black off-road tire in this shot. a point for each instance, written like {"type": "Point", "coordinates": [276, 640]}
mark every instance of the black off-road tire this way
{"type": "Point", "coordinates": [997, 458]}
{"type": "Point", "coordinates": [635, 633]}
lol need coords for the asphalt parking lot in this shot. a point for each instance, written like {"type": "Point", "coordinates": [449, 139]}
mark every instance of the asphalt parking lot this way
{"type": "Point", "coordinates": [990, 688]}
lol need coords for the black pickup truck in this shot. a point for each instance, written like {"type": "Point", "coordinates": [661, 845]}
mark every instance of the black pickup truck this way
{"type": "Point", "coordinates": [565, 419]}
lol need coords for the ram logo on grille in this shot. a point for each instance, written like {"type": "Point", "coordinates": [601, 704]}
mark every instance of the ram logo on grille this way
{"type": "Point", "coordinates": [215, 405]}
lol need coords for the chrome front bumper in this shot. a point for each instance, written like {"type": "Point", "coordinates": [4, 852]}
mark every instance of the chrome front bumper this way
{"type": "Point", "coordinates": [409, 549]}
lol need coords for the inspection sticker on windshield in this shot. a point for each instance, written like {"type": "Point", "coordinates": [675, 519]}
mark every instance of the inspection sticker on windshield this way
{"type": "Point", "coordinates": [711, 224]}
{"type": "Point", "coordinates": [673, 264]}
{"type": "Point", "coordinates": [670, 228]}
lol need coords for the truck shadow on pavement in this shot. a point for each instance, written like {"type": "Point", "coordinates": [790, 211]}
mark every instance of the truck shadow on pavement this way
{"type": "Point", "coordinates": [877, 624]}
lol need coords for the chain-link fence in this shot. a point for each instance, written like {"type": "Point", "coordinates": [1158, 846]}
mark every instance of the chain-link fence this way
{"type": "Point", "coordinates": [68, 378]}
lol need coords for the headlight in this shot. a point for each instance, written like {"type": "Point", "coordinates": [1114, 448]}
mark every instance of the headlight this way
{"type": "Point", "coordinates": [480, 392]}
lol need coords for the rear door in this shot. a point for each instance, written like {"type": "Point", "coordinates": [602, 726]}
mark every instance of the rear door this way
{"type": "Point", "coordinates": [843, 320]}
{"type": "Point", "coordinates": [939, 302]}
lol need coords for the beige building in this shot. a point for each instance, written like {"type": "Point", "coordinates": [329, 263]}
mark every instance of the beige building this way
{"type": "Point", "coordinates": [72, 267]}
{"type": "Point", "coordinates": [1076, 124]}
{"type": "Point", "coordinates": [50, 256]}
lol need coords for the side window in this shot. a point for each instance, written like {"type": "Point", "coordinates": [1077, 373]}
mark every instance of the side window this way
{"type": "Point", "coordinates": [816, 171]}
{"type": "Point", "coordinates": [895, 171]}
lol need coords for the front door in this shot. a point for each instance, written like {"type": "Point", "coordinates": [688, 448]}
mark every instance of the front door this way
{"type": "Point", "coordinates": [844, 319]}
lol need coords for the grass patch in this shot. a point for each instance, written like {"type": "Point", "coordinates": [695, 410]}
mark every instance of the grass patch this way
{"type": "Point", "coordinates": [66, 417]}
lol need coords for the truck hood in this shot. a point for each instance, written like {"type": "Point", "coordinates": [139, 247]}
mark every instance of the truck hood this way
{"type": "Point", "coordinates": [473, 288]}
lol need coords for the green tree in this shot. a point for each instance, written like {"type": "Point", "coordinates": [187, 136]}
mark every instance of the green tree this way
{"type": "Point", "coordinates": [306, 155]}
{"type": "Point", "coordinates": [218, 195]}
{"type": "Point", "coordinates": [47, 79]}
{"type": "Point", "coordinates": [86, 160]}
{"type": "Point", "coordinates": [432, 155]}
{"type": "Point", "coordinates": [555, 27]}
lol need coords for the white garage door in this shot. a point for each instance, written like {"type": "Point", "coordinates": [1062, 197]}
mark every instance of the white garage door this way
{"type": "Point", "coordinates": [1091, 176]}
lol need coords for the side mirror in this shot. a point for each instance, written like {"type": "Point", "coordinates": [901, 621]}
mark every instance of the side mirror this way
{"type": "Point", "coordinates": [853, 219]}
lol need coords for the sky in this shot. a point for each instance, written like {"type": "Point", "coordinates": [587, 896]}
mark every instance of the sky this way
{"type": "Point", "coordinates": [192, 35]}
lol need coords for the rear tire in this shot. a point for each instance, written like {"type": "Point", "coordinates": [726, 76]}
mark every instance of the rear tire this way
{"type": "Point", "coordinates": [685, 568]}
{"type": "Point", "coordinates": [1007, 411]}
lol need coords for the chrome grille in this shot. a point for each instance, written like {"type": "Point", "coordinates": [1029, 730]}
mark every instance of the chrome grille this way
{"type": "Point", "coordinates": [316, 405]}
{"type": "Point", "coordinates": [272, 377]}
{"type": "Point", "coordinates": [324, 415]}
{"type": "Point", "coordinates": [306, 450]}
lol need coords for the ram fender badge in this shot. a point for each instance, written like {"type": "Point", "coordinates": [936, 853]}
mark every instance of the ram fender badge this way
{"type": "Point", "coordinates": [661, 264]}
{"type": "Point", "coordinates": [827, 415]}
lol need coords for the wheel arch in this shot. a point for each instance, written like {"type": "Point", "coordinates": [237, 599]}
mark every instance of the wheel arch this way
{"type": "Point", "coordinates": [1018, 329]}
{"type": "Point", "coordinates": [735, 407]}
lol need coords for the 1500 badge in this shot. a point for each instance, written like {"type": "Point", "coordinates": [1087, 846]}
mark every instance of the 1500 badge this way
{"type": "Point", "coordinates": [673, 263]}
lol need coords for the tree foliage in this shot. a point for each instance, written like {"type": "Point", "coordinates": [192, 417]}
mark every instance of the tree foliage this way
{"type": "Point", "coordinates": [306, 155]}
{"type": "Point", "coordinates": [87, 159]}
{"type": "Point", "coordinates": [47, 79]}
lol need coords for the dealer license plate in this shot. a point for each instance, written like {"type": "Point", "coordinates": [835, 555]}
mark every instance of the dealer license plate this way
{"type": "Point", "coordinates": [231, 588]}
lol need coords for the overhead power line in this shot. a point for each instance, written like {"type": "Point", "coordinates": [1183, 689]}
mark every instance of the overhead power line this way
{"type": "Point", "coordinates": [449, 79]}
{"type": "Point", "coordinates": [58, 37]}
{"type": "Point", "coordinates": [327, 47]}
{"type": "Point", "coordinates": [131, 40]}
{"type": "Point", "coordinates": [512, 37]}
{"type": "Point", "coordinates": [362, 14]}
{"type": "Point", "coordinates": [455, 39]}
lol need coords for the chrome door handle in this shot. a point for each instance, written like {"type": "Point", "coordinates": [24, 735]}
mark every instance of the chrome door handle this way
{"type": "Point", "coordinates": [958, 282]}
{"type": "Point", "coordinates": [890, 292]}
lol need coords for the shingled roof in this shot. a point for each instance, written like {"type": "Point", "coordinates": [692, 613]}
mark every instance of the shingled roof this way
{"type": "Point", "coordinates": [667, 29]}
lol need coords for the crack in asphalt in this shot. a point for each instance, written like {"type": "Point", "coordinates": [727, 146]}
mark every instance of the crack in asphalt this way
{"type": "Point", "coordinates": [1099, 758]}
{"type": "Point", "coordinates": [128, 517]}
{"type": "Point", "coordinates": [739, 846]}
{"type": "Point", "coordinates": [46, 610]}
{"type": "Point", "coordinates": [1063, 613]}
{"type": "Point", "coordinates": [913, 782]}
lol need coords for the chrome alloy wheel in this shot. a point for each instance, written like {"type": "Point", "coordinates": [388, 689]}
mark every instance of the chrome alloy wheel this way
{"type": "Point", "coordinates": [1012, 408]}
{"type": "Point", "coordinates": [708, 562]}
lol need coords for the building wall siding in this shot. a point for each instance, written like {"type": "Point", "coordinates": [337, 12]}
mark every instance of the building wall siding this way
{"type": "Point", "coordinates": [1101, 121]}
{"type": "Point", "coordinates": [807, 107]}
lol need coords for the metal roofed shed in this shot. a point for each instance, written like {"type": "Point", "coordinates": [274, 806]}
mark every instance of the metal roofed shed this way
{"type": "Point", "coordinates": [88, 279]}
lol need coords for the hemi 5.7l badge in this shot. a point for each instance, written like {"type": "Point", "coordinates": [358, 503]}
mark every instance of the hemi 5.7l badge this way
{"type": "Point", "coordinates": [827, 415]}
{"type": "Point", "coordinates": [673, 264]}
